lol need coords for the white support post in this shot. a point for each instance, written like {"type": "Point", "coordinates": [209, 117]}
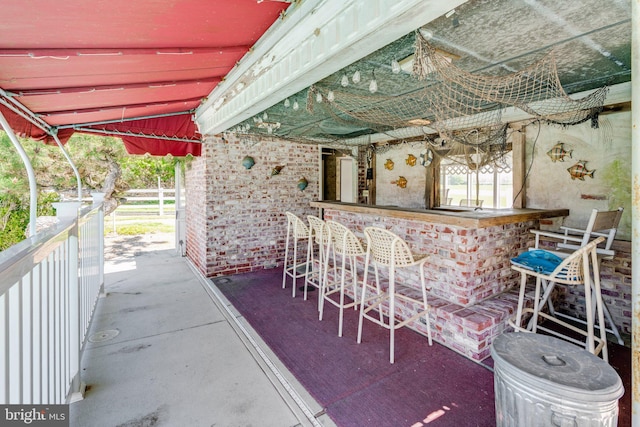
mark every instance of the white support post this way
{"type": "Point", "coordinates": [179, 224]}
{"type": "Point", "coordinates": [635, 213]}
{"type": "Point", "coordinates": [33, 189]}
{"type": "Point", "coordinates": [160, 197]}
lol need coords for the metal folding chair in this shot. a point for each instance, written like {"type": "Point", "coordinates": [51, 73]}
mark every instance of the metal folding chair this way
{"type": "Point", "coordinates": [601, 224]}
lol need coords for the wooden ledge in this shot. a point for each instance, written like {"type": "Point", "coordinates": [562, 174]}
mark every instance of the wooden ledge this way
{"type": "Point", "coordinates": [449, 215]}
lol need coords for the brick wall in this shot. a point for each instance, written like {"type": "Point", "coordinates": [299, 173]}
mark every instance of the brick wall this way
{"type": "Point", "coordinates": [465, 266]}
{"type": "Point", "coordinates": [244, 218]}
{"type": "Point", "coordinates": [195, 209]}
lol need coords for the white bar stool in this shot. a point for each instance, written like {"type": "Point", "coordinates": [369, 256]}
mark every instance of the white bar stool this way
{"type": "Point", "coordinates": [386, 249]}
{"type": "Point", "coordinates": [575, 270]}
{"type": "Point", "coordinates": [296, 230]}
{"type": "Point", "coordinates": [344, 243]}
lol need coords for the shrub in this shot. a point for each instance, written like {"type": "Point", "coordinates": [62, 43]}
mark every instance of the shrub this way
{"type": "Point", "coordinates": [14, 216]}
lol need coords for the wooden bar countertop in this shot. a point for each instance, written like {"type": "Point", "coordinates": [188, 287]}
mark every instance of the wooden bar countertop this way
{"type": "Point", "coordinates": [466, 217]}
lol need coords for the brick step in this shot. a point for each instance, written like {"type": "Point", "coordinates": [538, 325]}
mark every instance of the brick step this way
{"type": "Point", "coordinates": [466, 330]}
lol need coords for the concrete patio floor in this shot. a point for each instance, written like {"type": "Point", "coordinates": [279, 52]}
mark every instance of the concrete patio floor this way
{"type": "Point", "coordinates": [164, 350]}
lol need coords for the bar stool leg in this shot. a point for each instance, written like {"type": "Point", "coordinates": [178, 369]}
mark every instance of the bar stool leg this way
{"type": "Point", "coordinates": [321, 272]}
{"type": "Point", "coordinates": [312, 273]}
{"type": "Point", "coordinates": [600, 307]}
{"type": "Point", "coordinates": [392, 312]}
{"type": "Point", "coordinates": [426, 304]}
{"type": "Point", "coordinates": [354, 281]}
{"type": "Point", "coordinates": [325, 280]}
{"type": "Point", "coordinates": [362, 296]}
{"type": "Point", "coordinates": [310, 259]}
{"type": "Point", "coordinates": [588, 306]}
{"type": "Point", "coordinates": [341, 308]}
{"type": "Point", "coordinates": [294, 272]}
{"type": "Point", "coordinates": [375, 268]}
{"type": "Point", "coordinates": [286, 255]}
{"type": "Point", "coordinates": [523, 284]}
{"type": "Point", "coordinates": [536, 305]}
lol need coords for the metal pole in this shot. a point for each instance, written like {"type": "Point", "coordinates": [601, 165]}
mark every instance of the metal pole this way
{"type": "Point", "coordinates": [73, 166]}
{"type": "Point", "coordinates": [635, 212]}
{"type": "Point", "coordinates": [33, 188]}
{"type": "Point", "coordinates": [160, 198]}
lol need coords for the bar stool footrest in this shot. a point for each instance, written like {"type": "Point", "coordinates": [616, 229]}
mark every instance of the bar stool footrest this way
{"type": "Point", "coordinates": [598, 348]}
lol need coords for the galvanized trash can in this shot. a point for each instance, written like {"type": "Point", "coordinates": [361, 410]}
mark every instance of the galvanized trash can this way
{"type": "Point", "coordinates": [544, 381]}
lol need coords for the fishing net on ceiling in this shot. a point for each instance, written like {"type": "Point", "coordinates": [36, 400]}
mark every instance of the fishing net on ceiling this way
{"type": "Point", "coordinates": [464, 109]}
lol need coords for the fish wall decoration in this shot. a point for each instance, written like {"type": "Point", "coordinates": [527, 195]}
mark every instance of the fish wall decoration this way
{"type": "Point", "coordinates": [388, 165]}
{"type": "Point", "coordinates": [579, 171]}
{"type": "Point", "coordinates": [411, 160]}
{"type": "Point", "coordinates": [400, 182]}
{"type": "Point", "coordinates": [558, 153]}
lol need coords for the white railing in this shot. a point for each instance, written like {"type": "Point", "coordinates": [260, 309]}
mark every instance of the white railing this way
{"type": "Point", "coordinates": [49, 285]}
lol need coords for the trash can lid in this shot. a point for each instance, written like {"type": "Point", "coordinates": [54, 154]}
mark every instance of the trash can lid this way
{"type": "Point", "coordinates": [544, 360]}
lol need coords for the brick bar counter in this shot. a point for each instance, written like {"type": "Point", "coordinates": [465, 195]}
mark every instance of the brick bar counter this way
{"type": "Point", "coordinates": [473, 290]}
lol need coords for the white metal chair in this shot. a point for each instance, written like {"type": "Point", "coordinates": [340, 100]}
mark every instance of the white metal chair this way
{"type": "Point", "coordinates": [318, 238]}
{"type": "Point", "coordinates": [296, 230]}
{"type": "Point", "coordinates": [346, 245]}
{"type": "Point", "coordinates": [386, 249]}
{"type": "Point", "coordinates": [601, 224]}
{"type": "Point", "coordinates": [578, 269]}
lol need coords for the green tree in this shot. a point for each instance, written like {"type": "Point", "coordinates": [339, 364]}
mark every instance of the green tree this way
{"type": "Point", "coordinates": [103, 165]}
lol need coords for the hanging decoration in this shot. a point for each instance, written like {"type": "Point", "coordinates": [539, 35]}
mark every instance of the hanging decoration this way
{"type": "Point", "coordinates": [426, 157]}
{"type": "Point", "coordinates": [579, 171]}
{"type": "Point", "coordinates": [248, 162]}
{"type": "Point", "coordinates": [558, 153]}
{"type": "Point", "coordinates": [400, 182]}
{"type": "Point", "coordinates": [373, 84]}
{"type": "Point", "coordinates": [395, 67]}
{"type": "Point", "coordinates": [276, 170]}
{"type": "Point", "coordinates": [463, 108]}
{"type": "Point", "coordinates": [302, 183]}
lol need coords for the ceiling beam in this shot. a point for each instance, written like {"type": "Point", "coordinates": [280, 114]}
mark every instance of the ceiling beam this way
{"type": "Point", "coordinates": [550, 14]}
{"type": "Point", "coordinates": [91, 89]}
{"type": "Point", "coordinates": [314, 40]}
{"type": "Point", "coordinates": [58, 53]}
{"type": "Point", "coordinates": [118, 107]}
{"type": "Point", "coordinates": [126, 119]}
{"type": "Point", "coordinates": [136, 134]}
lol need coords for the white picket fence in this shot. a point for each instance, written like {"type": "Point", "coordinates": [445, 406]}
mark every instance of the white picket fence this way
{"type": "Point", "coordinates": [160, 195]}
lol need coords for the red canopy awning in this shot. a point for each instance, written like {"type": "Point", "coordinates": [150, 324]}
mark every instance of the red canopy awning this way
{"type": "Point", "coordinates": [94, 61]}
{"type": "Point", "coordinates": [181, 126]}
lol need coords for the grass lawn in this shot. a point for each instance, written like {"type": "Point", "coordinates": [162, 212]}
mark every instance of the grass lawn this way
{"type": "Point", "coordinates": [132, 220]}
{"type": "Point", "coordinates": [458, 192]}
